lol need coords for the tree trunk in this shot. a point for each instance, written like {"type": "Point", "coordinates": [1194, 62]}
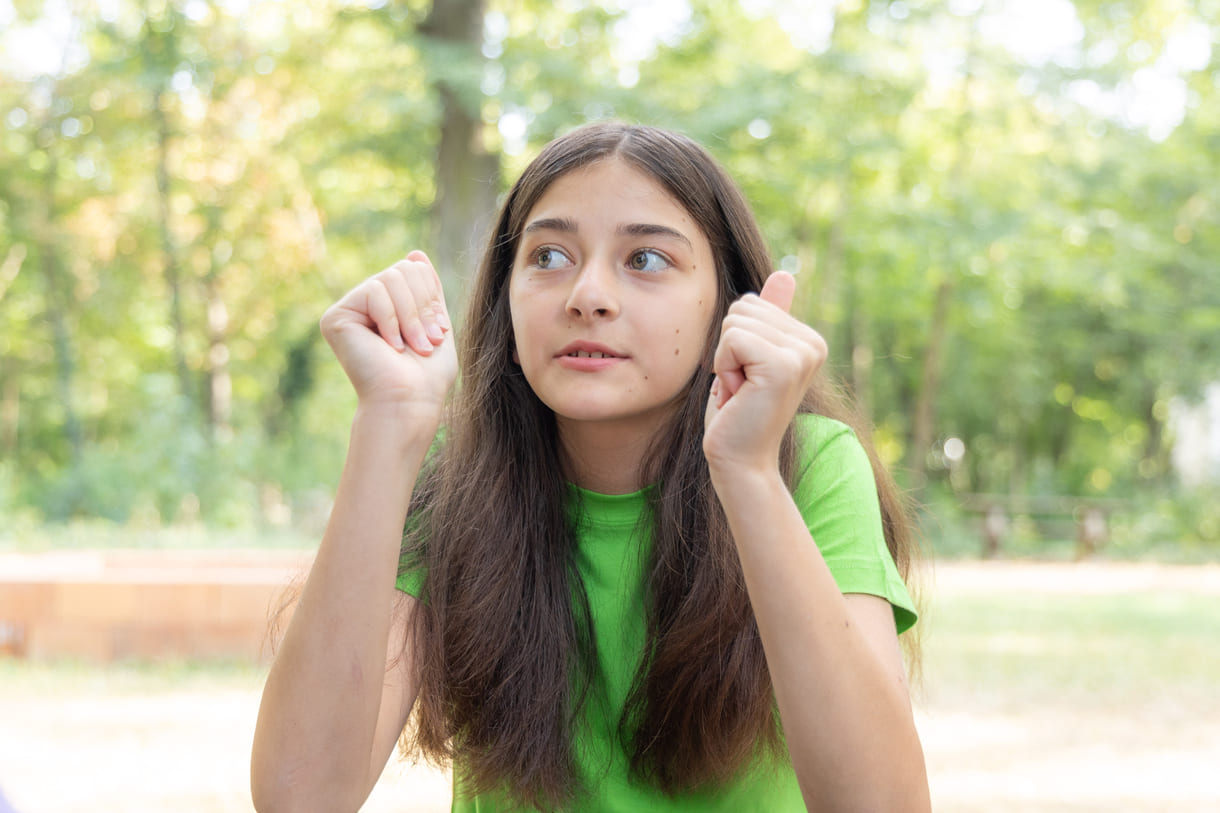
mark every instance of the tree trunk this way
{"type": "Point", "coordinates": [1155, 461]}
{"type": "Point", "coordinates": [862, 364]}
{"type": "Point", "coordinates": [220, 386]}
{"type": "Point", "coordinates": [173, 271]}
{"type": "Point", "coordinates": [923, 425]}
{"type": "Point", "coordinates": [467, 175]}
{"type": "Point", "coordinates": [10, 409]}
{"type": "Point", "coordinates": [10, 394]}
{"type": "Point", "coordinates": [60, 301]}
{"type": "Point", "coordinates": [834, 287]}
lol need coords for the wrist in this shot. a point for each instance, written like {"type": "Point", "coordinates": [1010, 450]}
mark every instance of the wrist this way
{"type": "Point", "coordinates": [740, 484]}
{"type": "Point", "coordinates": [395, 425]}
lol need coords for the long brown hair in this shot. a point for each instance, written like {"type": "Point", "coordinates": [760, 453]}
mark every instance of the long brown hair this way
{"type": "Point", "coordinates": [503, 641]}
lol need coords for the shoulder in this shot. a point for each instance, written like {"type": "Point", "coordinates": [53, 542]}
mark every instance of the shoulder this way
{"type": "Point", "coordinates": [819, 430]}
{"type": "Point", "coordinates": [830, 458]}
{"type": "Point", "coordinates": [828, 446]}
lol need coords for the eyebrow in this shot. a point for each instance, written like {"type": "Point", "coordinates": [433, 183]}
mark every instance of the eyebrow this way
{"type": "Point", "coordinates": [650, 229]}
{"type": "Point", "coordinates": [551, 224]}
{"type": "Point", "coordinates": [564, 224]}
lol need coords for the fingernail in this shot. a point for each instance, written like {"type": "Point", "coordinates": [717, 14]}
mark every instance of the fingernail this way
{"type": "Point", "coordinates": [434, 331]}
{"type": "Point", "coordinates": [443, 317]}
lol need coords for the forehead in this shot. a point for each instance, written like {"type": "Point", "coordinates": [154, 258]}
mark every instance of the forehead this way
{"type": "Point", "coordinates": [611, 188]}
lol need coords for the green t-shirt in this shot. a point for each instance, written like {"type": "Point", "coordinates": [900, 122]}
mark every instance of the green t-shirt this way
{"type": "Point", "coordinates": [838, 499]}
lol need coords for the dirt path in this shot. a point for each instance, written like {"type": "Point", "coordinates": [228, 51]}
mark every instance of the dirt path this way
{"type": "Point", "coordinates": [95, 741]}
{"type": "Point", "coordinates": [1139, 732]}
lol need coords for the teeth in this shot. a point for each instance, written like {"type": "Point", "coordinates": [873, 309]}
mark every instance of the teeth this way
{"type": "Point", "coordinates": [581, 354]}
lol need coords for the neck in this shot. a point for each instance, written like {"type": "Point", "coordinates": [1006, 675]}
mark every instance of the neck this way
{"type": "Point", "coordinates": [603, 457]}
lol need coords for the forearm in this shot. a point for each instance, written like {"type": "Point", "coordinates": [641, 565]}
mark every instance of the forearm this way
{"type": "Point", "coordinates": [322, 698]}
{"type": "Point", "coordinates": [844, 705]}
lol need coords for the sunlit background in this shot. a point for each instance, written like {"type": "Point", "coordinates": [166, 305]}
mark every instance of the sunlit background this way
{"type": "Point", "coordinates": [1004, 216]}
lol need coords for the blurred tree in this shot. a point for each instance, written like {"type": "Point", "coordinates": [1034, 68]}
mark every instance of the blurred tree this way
{"type": "Point", "coordinates": [1003, 240]}
{"type": "Point", "coordinates": [467, 173]}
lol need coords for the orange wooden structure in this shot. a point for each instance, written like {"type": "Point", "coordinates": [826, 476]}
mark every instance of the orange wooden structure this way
{"type": "Point", "coordinates": [102, 606]}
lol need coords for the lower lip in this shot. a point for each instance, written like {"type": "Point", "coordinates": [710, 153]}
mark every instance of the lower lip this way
{"type": "Point", "coordinates": [588, 364]}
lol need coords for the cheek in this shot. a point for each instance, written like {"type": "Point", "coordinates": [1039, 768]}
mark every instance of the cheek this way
{"type": "Point", "coordinates": [518, 321]}
{"type": "Point", "coordinates": [690, 346]}
{"type": "Point", "coordinates": [525, 343]}
{"type": "Point", "coordinates": [521, 339]}
{"type": "Point", "coordinates": [708, 332]}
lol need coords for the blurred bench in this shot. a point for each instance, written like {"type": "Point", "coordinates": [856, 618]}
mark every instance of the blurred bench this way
{"type": "Point", "coordinates": [110, 605]}
{"type": "Point", "coordinates": [1086, 520]}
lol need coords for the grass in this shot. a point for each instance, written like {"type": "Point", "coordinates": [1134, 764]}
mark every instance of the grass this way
{"type": "Point", "coordinates": [1093, 650]}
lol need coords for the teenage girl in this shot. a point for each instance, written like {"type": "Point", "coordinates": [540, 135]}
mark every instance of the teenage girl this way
{"type": "Point", "coordinates": [641, 566]}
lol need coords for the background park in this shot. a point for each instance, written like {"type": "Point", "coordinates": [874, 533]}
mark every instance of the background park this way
{"type": "Point", "coordinates": [1004, 217]}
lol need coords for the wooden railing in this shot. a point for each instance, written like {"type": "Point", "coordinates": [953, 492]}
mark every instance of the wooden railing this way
{"type": "Point", "coordinates": [1087, 519]}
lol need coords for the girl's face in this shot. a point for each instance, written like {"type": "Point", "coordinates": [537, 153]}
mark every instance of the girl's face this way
{"type": "Point", "coordinates": [611, 294]}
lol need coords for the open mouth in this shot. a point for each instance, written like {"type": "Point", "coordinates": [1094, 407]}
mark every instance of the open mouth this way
{"type": "Point", "coordinates": [584, 354]}
{"type": "Point", "coordinates": [588, 350]}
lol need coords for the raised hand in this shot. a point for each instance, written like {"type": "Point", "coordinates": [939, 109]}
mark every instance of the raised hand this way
{"type": "Point", "coordinates": [764, 364]}
{"type": "Point", "coordinates": [392, 335]}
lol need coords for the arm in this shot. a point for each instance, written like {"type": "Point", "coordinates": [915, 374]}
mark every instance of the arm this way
{"type": "Point", "coordinates": [342, 683]}
{"type": "Point", "coordinates": [834, 659]}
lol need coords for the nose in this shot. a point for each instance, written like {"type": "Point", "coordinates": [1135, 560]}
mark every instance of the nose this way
{"type": "Point", "coordinates": [594, 291]}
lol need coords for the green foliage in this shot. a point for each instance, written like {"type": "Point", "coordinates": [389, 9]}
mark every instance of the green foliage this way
{"type": "Point", "coordinates": [183, 197]}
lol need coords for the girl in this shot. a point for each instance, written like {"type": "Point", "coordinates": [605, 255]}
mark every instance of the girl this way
{"type": "Point", "coordinates": [643, 567]}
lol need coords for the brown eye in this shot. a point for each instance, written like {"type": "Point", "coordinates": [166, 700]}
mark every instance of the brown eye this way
{"type": "Point", "coordinates": [648, 261]}
{"type": "Point", "coordinates": [548, 258]}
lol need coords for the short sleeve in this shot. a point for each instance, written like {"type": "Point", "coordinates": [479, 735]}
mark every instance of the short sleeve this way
{"type": "Point", "coordinates": [411, 582]}
{"type": "Point", "coordinates": [837, 495]}
{"type": "Point", "coordinates": [412, 574]}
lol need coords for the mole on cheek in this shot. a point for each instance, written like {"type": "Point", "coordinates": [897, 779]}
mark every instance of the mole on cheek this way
{"type": "Point", "coordinates": [677, 351]}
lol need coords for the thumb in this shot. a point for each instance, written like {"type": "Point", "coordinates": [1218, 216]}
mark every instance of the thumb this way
{"type": "Point", "coordinates": [779, 289]}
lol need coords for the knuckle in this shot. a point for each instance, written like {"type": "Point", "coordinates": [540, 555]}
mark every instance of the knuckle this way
{"type": "Point", "coordinates": [731, 332]}
{"type": "Point", "coordinates": [731, 322]}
